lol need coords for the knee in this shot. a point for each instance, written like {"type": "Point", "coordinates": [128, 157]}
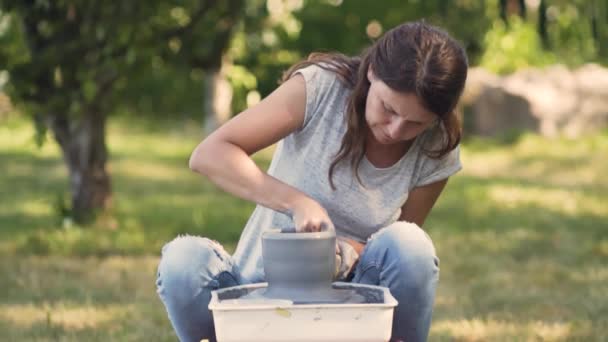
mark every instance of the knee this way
{"type": "Point", "coordinates": [189, 265]}
{"type": "Point", "coordinates": [408, 250]}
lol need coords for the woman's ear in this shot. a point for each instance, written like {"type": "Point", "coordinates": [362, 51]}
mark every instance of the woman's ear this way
{"type": "Point", "coordinates": [370, 74]}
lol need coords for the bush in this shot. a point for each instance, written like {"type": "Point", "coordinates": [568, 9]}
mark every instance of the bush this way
{"type": "Point", "coordinates": [512, 47]}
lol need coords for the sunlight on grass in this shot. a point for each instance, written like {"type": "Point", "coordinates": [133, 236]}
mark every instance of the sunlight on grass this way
{"type": "Point", "coordinates": [17, 168]}
{"type": "Point", "coordinates": [556, 161]}
{"type": "Point", "coordinates": [31, 208]}
{"type": "Point", "coordinates": [34, 208]}
{"type": "Point", "coordinates": [566, 201]}
{"type": "Point", "coordinates": [148, 170]}
{"type": "Point", "coordinates": [19, 135]}
{"type": "Point", "coordinates": [68, 317]}
{"type": "Point", "coordinates": [145, 145]}
{"type": "Point", "coordinates": [89, 280]}
{"type": "Point", "coordinates": [489, 241]}
{"type": "Point", "coordinates": [86, 241]}
{"type": "Point", "coordinates": [81, 299]}
{"type": "Point", "coordinates": [492, 330]}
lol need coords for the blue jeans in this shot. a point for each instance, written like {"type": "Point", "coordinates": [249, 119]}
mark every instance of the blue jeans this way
{"type": "Point", "coordinates": [401, 257]}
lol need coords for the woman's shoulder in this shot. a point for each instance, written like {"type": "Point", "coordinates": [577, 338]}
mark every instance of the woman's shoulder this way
{"type": "Point", "coordinates": [326, 95]}
{"type": "Point", "coordinates": [430, 168]}
{"type": "Point", "coordinates": [321, 76]}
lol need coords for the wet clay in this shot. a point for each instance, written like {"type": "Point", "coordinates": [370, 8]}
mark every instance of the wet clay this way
{"type": "Point", "coordinates": [299, 267]}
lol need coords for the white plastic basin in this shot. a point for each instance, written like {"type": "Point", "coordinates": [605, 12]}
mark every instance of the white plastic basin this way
{"type": "Point", "coordinates": [284, 321]}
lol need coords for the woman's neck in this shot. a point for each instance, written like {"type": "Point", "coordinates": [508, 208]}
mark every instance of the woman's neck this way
{"type": "Point", "coordinates": [382, 155]}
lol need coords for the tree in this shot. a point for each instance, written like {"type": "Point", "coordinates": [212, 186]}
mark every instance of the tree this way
{"type": "Point", "coordinates": [75, 57]}
{"type": "Point", "coordinates": [294, 29]}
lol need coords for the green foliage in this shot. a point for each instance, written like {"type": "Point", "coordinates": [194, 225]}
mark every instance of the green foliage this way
{"type": "Point", "coordinates": [69, 57]}
{"type": "Point", "coordinates": [13, 50]}
{"type": "Point", "coordinates": [513, 47]}
{"type": "Point", "coordinates": [164, 62]}
{"type": "Point", "coordinates": [571, 31]}
{"type": "Point", "coordinates": [291, 32]}
{"type": "Point", "coordinates": [163, 91]}
{"type": "Point", "coordinates": [284, 34]}
{"type": "Point", "coordinates": [243, 83]}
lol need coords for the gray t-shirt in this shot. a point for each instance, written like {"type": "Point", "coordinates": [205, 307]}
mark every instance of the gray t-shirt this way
{"type": "Point", "coordinates": [302, 160]}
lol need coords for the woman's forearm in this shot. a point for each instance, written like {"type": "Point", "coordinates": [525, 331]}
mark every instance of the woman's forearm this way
{"type": "Point", "coordinates": [230, 168]}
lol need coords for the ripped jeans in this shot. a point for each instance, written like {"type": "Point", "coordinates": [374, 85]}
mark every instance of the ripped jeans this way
{"type": "Point", "coordinates": [401, 257]}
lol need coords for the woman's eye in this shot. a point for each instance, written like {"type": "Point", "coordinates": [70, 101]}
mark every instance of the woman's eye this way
{"type": "Point", "coordinates": [389, 111]}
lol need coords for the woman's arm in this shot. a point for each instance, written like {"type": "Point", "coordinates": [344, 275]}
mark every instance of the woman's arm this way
{"type": "Point", "coordinates": [420, 201]}
{"type": "Point", "coordinates": [224, 156]}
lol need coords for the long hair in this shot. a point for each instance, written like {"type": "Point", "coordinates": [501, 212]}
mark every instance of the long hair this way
{"type": "Point", "coordinates": [415, 58]}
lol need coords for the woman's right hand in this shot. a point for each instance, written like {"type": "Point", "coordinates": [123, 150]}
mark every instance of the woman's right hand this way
{"type": "Point", "coordinates": [309, 216]}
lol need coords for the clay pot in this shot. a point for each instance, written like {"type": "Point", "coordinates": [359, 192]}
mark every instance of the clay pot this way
{"type": "Point", "coordinates": [300, 266]}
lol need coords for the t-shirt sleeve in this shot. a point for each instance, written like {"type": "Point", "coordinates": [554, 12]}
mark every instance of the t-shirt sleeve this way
{"type": "Point", "coordinates": [434, 170]}
{"type": "Point", "coordinates": [319, 87]}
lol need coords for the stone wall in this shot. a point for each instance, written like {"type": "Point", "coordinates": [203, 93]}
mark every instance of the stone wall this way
{"type": "Point", "coordinates": [551, 101]}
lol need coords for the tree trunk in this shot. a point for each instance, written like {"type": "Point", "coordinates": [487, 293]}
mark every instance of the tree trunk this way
{"type": "Point", "coordinates": [84, 150]}
{"type": "Point", "coordinates": [542, 24]}
{"type": "Point", "coordinates": [523, 11]}
{"type": "Point", "coordinates": [218, 99]}
{"type": "Point", "coordinates": [599, 26]}
{"type": "Point", "coordinates": [502, 9]}
{"type": "Point", "coordinates": [507, 8]}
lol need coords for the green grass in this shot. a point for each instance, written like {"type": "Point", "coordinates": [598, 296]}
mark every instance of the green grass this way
{"type": "Point", "coordinates": [522, 234]}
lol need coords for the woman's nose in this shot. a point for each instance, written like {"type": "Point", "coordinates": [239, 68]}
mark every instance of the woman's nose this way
{"type": "Point", "coordinates": [394, 129]}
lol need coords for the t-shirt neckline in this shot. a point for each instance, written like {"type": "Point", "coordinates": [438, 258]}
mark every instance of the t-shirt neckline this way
{"type": "Point", "coordinates": [397, 163]}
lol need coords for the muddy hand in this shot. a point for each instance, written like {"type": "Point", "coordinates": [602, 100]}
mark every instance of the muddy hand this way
{"type": "Point", "coordinates": [309, 216]}
{"type": "Point", "coordinates": [346, 258]}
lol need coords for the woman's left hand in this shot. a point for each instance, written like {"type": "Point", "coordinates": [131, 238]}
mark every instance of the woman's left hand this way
{"type": "Point", "coordinates": [347, 256]}
{"type": "Point", "coordinates": [358, 246]}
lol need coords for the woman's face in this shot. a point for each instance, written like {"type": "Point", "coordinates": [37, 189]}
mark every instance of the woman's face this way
{"type": "Point", "coordinates": [394, 117]}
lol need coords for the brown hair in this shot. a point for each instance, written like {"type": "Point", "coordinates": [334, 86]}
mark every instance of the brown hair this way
{"type": "Point", "coordinates": [412, 58]}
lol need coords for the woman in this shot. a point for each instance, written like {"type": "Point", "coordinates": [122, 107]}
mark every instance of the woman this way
{"type": "Point", "coordinates": [365, 146]}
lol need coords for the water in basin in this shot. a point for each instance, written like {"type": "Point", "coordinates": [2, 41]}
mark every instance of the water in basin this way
{"type": "Point", "coordinates": [342, 294]}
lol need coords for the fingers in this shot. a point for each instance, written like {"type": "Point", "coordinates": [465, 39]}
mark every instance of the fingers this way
{"type": "Point", "coordinates": [310, 216]}
{"type": "Point", "coordinates": [327, 226]}
{"type": "Point", "coordinates": [308, 227]}
{"type": "Point", "coordinates": [318, 226]}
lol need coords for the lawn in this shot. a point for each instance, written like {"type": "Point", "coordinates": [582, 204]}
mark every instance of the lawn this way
{"type": "Point", "coordinates": [522, 234]}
